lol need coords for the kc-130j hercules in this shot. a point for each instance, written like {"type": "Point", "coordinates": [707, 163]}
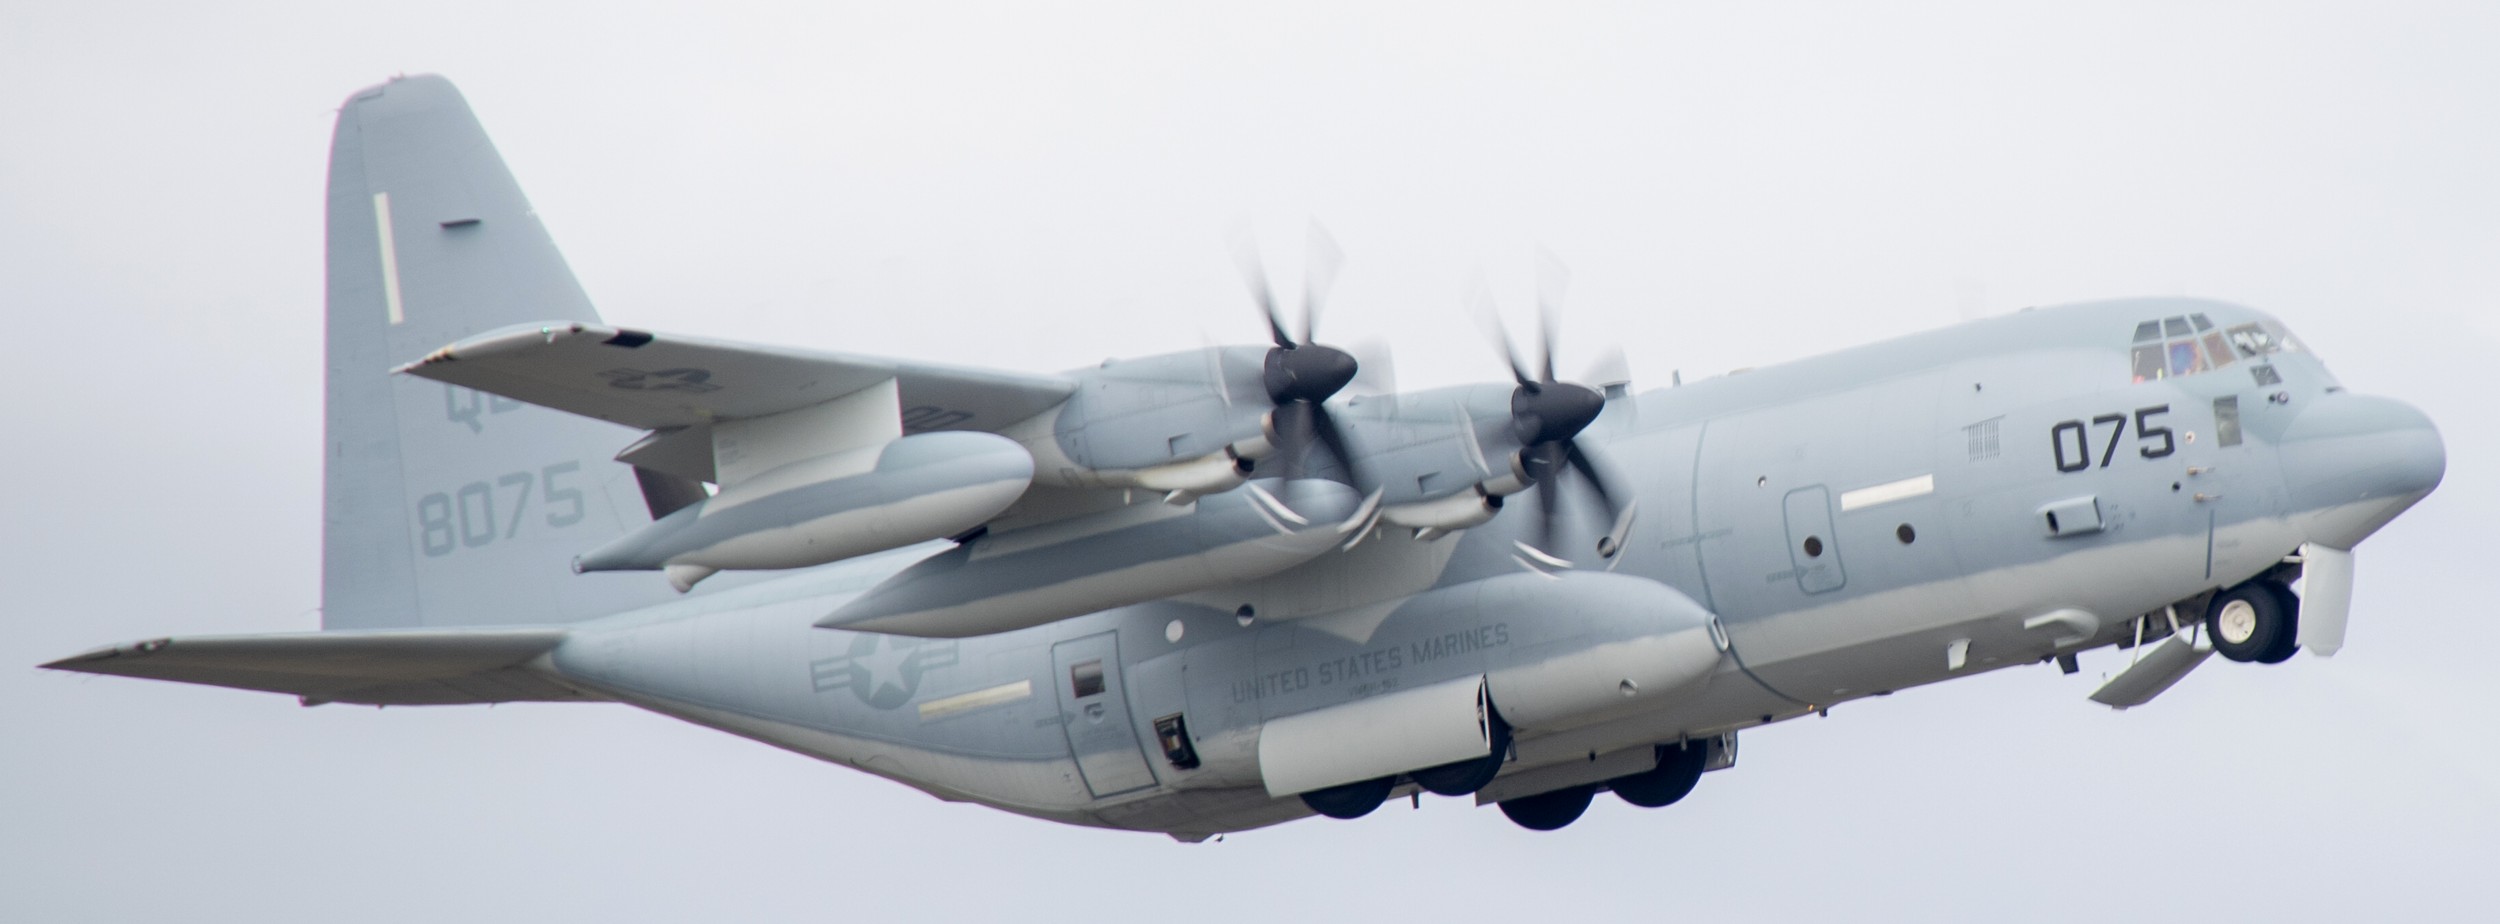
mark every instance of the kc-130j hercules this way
{"type": "Point", "coordinates": [1230, 587]}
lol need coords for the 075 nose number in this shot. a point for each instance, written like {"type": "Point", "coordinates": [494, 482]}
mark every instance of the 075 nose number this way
{"type": "Point", "coordinates": [2075, 439]}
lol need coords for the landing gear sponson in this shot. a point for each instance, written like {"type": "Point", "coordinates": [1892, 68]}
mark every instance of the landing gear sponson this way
{"type": "Point", "coordinates": [1678, 769]}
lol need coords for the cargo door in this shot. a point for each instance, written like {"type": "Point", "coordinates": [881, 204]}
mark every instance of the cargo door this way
{"type": "Point", "coordinates": [1093, 708]}
{"type": "Point", "coordinates": [1812, 547]}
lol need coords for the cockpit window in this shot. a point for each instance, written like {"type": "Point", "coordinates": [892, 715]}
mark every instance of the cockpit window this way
{"type": "Point", "coordinates": [2149, 364]}
{"type": "Point", "coordinates": [2185, 358]}
{"type": "Point", "coordinates": [2252, 341]}
{"type": "Point", "coordinates": [2216, 350]}
{"type": "Point", "coordinates": [2189, 344]}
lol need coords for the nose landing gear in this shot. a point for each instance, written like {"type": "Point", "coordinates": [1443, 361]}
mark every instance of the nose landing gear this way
{"type": "Point", "coordinates": [2258, 621]}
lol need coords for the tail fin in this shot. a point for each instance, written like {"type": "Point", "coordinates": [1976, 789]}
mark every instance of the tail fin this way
{"type": "Point", "coordinates": [445, 506]}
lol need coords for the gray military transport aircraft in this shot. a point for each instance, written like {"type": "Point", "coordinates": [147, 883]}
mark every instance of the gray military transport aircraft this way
{"type": "Point", "coordinates": [1222, 589]}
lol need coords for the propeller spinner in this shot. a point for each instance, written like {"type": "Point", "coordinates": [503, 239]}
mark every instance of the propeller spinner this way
{"type": "Point", "coordinates": [1546, 414]}
{"type": "Point", "coordinates": [1301, 374]}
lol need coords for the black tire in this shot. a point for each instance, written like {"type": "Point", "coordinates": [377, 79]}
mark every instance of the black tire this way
{"type": "Point", "coordinates": [1351, 800]}
{"type": "Point", "coordinates": [2248, 622]}
{"type": "Point", "coordinates": [1467, 776]}
{"type": "Point", "coordinates": [1658, 787]}
{"type": "Point", "coordinates": [1547, 811]}
{"type": "Point", "coordinates": [2288, 644]}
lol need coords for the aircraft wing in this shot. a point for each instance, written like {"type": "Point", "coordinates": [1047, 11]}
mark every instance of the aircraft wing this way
{"type": "Point", "coordinates": [664, 381]}
{"type": "Point", "coordinates": [393, 667]}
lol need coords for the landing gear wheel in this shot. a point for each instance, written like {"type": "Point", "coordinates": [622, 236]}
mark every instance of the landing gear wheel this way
{"type": "Point", "coordinates": [1547, 811]}
{"type": "Point", "coordinates": [1351, 800]}
{"type": "Point", "coordinates": [1678, 769]}
{"type": "Point", "coordinates": [2289, 644]}
{"type": "Point", "coordinates": [2249, 623]}
{"type": "Point", "coordinates": [1467, 776]}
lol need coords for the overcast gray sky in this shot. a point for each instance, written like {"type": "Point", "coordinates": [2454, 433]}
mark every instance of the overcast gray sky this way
{"type": "Point", "coordinates": [1040, 186]}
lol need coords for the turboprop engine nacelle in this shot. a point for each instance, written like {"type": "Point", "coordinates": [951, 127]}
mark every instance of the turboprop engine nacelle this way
{"type": "Point", "coordinates": [997, 582]}
{"type": "Point", "coordinates": [831, 507]}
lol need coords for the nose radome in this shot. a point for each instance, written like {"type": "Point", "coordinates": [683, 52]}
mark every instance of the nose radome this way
{"type": "Point", "coordinates": [2353, 462]}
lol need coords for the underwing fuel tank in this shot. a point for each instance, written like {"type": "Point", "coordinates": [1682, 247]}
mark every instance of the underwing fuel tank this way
{"type": "Point", "coordinates": [911, 490]}
{"type": "Point", "coordinates": [1137, 553]}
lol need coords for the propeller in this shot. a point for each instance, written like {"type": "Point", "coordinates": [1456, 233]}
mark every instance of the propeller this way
{"type": "Point", "coordinates": [1546, 414]}
{"type": "Point", "coordinates": [1301, 373]}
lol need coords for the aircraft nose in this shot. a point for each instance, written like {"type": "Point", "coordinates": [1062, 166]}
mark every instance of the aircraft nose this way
{"type": "Point", "coordinates": [2353, 462]}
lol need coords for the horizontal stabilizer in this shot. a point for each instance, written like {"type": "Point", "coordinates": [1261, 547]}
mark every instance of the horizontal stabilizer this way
{"type": "Point", "coordinates": [664, 381]}
{"type": "Point", "coordinates": [387, 667]}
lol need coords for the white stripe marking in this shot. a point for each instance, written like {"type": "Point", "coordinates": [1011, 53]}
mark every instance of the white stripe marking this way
{"type": "Point", "coordinates": [390, 256]}
{"type": "Point", "coordinates": [1903, 489]}
{"type": "Point", "coordinates": [978, 699]}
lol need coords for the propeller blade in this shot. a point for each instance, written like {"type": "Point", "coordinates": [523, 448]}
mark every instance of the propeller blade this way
{"type": "Point", "coordinates": [1610, 369]}
{"type": "Point", "coordinates": [1587, 467]}
{"type": "Point", "coordinates": [1292, 422]}
{"type": "Point", "coordinates": [1254, 273]}
{"type": "Point", "coordinates": [1548, 508]}
{"type": "Point", "coordinates": [1376, 373]}
{"type": "Point", "coordinates": [1510, 353]}
{"type": "Point", "coordinates": [1552, 280]}
{"type": "Point", "coordinates": [1480, 303]}
{"type": "Point", "coordinates": [1319, 275]}
{"type": "Point", "coordinates": [1330, 438]}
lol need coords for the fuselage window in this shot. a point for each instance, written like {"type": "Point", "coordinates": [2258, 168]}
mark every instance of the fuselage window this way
{"type": "Point", "coordinates": [1085, 679]}
{"type": "Point", "coordinates": [2227, 420]}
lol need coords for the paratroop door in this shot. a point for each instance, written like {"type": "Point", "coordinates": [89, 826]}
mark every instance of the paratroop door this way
{"type": "Point", "coordinates": [1811, 545]}
{"type": "Point", "coordinates": [1093, 707]}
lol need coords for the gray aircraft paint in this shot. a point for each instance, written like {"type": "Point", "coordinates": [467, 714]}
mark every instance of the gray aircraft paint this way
{"type": "Point", "coordinates": [1727, 473]}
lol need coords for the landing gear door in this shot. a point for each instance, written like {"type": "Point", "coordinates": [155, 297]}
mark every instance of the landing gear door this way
{"type": "Point", "coordinates": [1093, 708]}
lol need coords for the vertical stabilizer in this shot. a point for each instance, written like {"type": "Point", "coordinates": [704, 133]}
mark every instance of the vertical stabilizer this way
{"type": "Point", "coordinates": [445, 506]}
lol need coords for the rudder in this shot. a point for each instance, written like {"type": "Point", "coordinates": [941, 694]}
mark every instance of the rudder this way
{"type": "Point", "coordinates": [444, 506]}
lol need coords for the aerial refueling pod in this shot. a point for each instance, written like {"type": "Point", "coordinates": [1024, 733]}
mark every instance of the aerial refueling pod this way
{"type": "Point", "coordinates": [1133, 554]}
{"type": "Point", "coordinates": [831, 507]}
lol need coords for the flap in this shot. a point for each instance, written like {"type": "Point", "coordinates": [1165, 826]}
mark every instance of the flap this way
{"type": "Point", "coordinates": [382, 667]}
{"type": "Point", "coordinates": [661, 381]}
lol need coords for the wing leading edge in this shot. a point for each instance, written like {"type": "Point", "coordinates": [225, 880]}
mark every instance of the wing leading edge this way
{"type": "Point", "coordinates": [664, 381]}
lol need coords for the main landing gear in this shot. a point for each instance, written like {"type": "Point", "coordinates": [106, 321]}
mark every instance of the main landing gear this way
{"type": "Point", "coordinates": [1547, 811]}
{"type": "Point", "coordinates": [1679, 768]}
{"type": "Point", "coordinates": [1357, 799]}
{"type": "Point", "coordinates": [2256, 621]}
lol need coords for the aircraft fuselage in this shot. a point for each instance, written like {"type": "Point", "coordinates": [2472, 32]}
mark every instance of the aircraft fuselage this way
{"type": "Point", "coordinates": [1993, 494]}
